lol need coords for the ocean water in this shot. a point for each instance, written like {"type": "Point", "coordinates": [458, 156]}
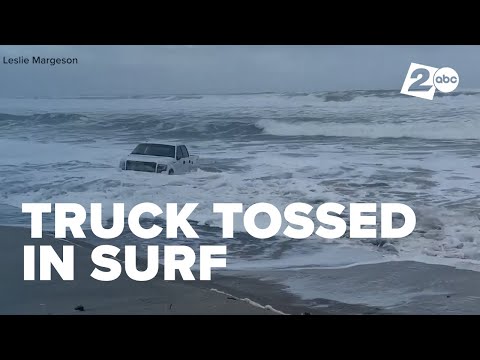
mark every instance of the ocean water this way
{"type": "Point", "coordinates": [345, 147]}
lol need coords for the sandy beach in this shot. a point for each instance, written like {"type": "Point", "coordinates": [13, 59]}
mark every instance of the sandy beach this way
{"type": "Point", "coordinates": [122, 296]}
{"type": "Point", "coordinates": [400, 287]}
{"type": "Point", "coordinates": [395, 287]}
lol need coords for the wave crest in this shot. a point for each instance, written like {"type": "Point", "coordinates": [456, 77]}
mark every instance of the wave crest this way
{"type": "Point", "coordinates": [420, 130]}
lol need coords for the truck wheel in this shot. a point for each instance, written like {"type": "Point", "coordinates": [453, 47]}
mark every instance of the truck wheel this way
{"type": "Point", "coordinates": [170, 172]}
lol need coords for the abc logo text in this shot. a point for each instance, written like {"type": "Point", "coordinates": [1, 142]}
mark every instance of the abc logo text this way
{"type": "Point", "coordinates": [422, 81]}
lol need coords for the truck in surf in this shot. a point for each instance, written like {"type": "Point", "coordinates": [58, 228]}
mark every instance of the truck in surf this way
{"type": "Point", "coordinates": [159, 158]}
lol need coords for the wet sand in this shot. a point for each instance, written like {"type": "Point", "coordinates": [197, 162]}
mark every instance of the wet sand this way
{"type": "Point", "coordinates": [122, 296]}
{"type": "Point", "coordinates": [400, 287]}
{"type": "Point", "coordinates": [397, 287]}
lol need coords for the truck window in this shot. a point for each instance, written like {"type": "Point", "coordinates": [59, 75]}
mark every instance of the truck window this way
{"type": "Point", "coordinates": [154, 150]}
{"type": "Point", "coordinates": [185, 151]}
{"type": "Point", "coordinates": [180, 153]}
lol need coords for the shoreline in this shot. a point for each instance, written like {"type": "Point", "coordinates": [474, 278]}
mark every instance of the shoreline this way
{"type": "Point", "coordinates": [122, 296]}
{"type": "Point", "coordinates": [395, 287]}
{"type": "Point", "coordinates": [248, 287]}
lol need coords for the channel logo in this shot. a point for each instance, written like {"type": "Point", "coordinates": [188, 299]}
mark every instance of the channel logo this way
{"type": "Point", "coordinates": [422, 81]}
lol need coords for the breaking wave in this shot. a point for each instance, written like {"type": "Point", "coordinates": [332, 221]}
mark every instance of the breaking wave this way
{"type": "Point", "coordinates": [420, 130]}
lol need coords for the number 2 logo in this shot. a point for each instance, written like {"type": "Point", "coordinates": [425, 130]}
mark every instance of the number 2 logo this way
{"type": "Point", "coordinates": [419, 81]}
{"type": "Point", "coordinates": [421, 75]}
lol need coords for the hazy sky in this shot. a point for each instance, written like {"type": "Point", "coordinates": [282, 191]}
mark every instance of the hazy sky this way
{"type": "Point", "coordinates": [115, 70]}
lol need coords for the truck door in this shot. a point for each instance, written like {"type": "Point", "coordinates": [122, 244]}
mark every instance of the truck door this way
{"type": "Point", "coordinates": [181, 163]}
{"type": "Point", "coordinates": [188, 163]}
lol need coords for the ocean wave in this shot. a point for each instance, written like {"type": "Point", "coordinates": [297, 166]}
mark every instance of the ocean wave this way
{"type": "Point", "coordinates": [419, 130]}
{"type": "Point", "coordinates": [48, 118]}
{"type": "Point", "coordinates": [143, 127]}
{"type": "Point", "coordinates": [349, 95]}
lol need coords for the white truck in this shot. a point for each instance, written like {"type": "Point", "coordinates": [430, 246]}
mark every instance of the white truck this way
{"type": "Point", "coordinates": [159, 158]}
